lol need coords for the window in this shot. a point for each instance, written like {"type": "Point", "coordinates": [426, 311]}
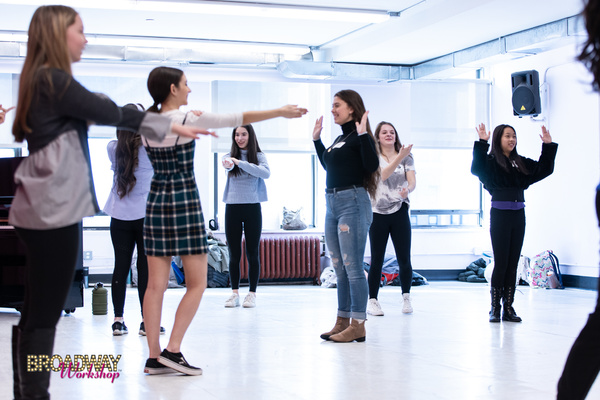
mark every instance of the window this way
{"type": "Point", "coordinates": [447, 194]}
{"type": "Point", "coordinates": [442, 125]}
{"type": "Point", "coordinates": [103, 179]}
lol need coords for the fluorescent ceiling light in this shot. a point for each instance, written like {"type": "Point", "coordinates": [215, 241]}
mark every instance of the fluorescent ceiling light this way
{"type": "Point", "coordinates": [200, 45]}
{"type": "Point", "coordinates": [263, 10]}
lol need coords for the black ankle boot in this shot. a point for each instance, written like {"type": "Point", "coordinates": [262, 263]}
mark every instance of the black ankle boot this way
{"type": "Point", "coordinates": [508, 312]}
{"type": "Point", "coordinates": [15, 363]}
{"type": "Point", "coordinates": [34, 383]}
{"type": "Point", "coordinates": [495, 311]}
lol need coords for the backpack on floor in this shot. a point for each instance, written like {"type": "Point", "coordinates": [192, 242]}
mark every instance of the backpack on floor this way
{"type": "Point", "coordinates": [544, 271]}
{"type": "Point", "coordinates": [216, 278]}
{"type": "Point", "coordinates": [218, 263]}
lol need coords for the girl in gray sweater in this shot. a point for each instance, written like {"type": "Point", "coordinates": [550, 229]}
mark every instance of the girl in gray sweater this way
{"type": "Point", "coordinates": [247, 168]}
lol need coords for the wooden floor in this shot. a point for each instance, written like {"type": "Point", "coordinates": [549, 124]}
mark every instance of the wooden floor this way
{"type": "Point", "coordinates": [445, 350]}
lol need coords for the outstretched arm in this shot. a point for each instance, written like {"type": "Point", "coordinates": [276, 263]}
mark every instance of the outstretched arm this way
{"type": "Point", "coordinates": [289, 111]}
{"type": "Point", "coordinates": [190, 131]}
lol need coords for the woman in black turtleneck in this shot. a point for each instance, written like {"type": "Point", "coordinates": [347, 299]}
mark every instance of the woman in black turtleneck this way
{"type": "Point", "coordinates": [352, 169]}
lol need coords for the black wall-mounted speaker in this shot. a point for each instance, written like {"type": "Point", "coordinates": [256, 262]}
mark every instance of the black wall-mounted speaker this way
{"type": "Point", "coordinates": [526, 93]}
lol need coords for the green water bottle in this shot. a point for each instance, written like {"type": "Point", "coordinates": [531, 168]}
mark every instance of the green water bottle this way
{"type": "Point", "coordinates": [99, 299]}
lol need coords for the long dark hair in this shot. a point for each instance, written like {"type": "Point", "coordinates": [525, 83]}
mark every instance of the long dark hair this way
{"type": "Point", "coordinates": [126, 157]}
{"type": "Point", "coordinates": [590, 54]}
{"type": "Point", "coordinates": [252, 147]}
{"type": "Point", "coordinates": [355, 102]}
{"type": "Point", "coordinates": [159, 84]}
{"type": "Point", "coordinates": [498, 154]}
{"type": "Point", "coordinates": [397, 143]}
{"type": "Point", "coordinates": [46, 48]}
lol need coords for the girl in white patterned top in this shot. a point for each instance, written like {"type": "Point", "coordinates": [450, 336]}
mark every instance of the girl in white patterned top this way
{"type": "Point", "coordinates": [390, 213]}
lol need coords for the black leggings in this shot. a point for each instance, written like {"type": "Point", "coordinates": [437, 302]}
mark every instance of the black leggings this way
{"type": "Point", "coordinates": [507, 231]}
{"type": "Point", "coordinates": [246, 218]}
{"type": "Point", "coordinates": [583, 364]}
{"type": "Point", "coordinates": [125, 235]}
{"type": "Point", "coordinates": [396, 225]}
{"type": "Point", "coordinates": [49, 272]}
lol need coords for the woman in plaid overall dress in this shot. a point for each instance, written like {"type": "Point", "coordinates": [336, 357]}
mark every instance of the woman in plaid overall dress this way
{"type": "Point", "coordinates": [174, 223]}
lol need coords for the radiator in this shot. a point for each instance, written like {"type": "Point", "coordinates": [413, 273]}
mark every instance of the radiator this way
{"type": "Point", "coordinates": [293, 257]}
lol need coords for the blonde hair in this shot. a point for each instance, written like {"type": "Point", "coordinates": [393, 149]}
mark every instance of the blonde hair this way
{"type": "Point", "coordinates": [46, 48]}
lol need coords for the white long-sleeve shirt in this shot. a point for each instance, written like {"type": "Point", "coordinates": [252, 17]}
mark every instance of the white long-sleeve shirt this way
{"type": "Point", "coordinates": [206, 121]}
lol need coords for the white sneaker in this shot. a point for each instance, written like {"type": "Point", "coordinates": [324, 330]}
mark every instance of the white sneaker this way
{"type": "Point", "coordinates": [406, 307]}
{"type": "Point", "coordinates": [233, 301]}
{"type": "Point", "coordinates": [250, 301]}
{"type": "Point", "coordinates": [374, 308]}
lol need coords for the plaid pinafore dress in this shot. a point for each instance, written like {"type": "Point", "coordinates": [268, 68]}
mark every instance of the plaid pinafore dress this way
{"type": "Point", "coordinates": [174, 224]}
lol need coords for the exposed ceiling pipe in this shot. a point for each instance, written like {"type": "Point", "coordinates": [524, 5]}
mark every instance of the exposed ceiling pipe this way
{"type": "Point", "coordinates": [342, 71]}
{"type": "Point", "coordinates": [521, 44]}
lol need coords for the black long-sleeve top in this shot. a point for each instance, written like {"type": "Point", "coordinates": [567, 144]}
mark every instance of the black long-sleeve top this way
{"type": "Point", "coordinates": [349, 159]}
{"type": "Point", "coordinates": [510, 185]}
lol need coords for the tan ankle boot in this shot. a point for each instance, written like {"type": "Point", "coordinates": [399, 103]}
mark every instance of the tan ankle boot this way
{"type": "Point", "coordinates": [356, 331]}
{"type": "Point", "coordinates": [341, 323]}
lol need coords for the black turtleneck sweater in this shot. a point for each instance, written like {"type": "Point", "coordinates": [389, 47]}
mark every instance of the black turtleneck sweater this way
{"type": "Point", "coordinates": [350, 159]}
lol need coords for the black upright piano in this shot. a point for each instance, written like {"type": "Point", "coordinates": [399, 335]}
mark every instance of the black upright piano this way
{"type": "Point", "coordinates": [12, 252]}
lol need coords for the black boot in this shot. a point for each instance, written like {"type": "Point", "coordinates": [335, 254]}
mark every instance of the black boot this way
{"type": "Point", "coordinates": [495, 311]}
{"type": "Point", "coordinates": [15, 363]}
{"type": "Point", "coordinates": [508, 312]}
{"type": "Point", "coordinates": [35, 383]}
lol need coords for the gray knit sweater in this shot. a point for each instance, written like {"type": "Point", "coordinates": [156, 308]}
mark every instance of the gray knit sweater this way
{"type": "Point", "coordinates": [248, 187]}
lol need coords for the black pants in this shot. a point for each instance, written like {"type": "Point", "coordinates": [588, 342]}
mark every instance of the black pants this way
{"type": "Point", "coordinates": [507, 231]}
{"type": "Point", "coordinates": [51, 258]}
{"type": "Point", "coordinates": [583, 364]}
{"type": "Point", "coordinates": [396, 225]}
{"type": "Point", "coordinates": [245, 218]}
{"type": "Point", "coordinates": [125, 236]}
{"type": "Point", "coordinates": [49, 272]}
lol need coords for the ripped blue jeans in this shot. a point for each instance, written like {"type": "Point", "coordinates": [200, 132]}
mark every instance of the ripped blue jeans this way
{"type": "Point", "coordinates": [347, 223]}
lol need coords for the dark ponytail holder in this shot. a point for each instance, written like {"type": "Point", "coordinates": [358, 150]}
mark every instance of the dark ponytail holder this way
{"type": "Point", "coordinates": [154, 108]}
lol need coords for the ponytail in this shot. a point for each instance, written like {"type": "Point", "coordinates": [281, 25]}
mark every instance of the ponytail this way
{"type": "Point", "coordinates": [154, 108]}
{"type": "Point", "coordinates": [159, 84]}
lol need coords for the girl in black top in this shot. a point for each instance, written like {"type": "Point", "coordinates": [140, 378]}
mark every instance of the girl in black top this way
{"type": "Point", "coordinates": [506, 175]}
{"type": "Point", "coordinates": [352, 170]}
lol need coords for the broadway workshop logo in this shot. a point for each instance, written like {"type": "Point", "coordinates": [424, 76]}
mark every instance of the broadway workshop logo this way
{"type": "Point", "coordinates": [78, 367]}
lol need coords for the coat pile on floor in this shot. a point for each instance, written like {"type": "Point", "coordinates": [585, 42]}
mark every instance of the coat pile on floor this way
{"type": "Point", "coordinates": [474, 272]}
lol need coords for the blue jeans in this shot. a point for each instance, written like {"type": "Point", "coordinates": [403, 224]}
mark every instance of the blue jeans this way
{"type": "Point", "coordinates": [349, 216]}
